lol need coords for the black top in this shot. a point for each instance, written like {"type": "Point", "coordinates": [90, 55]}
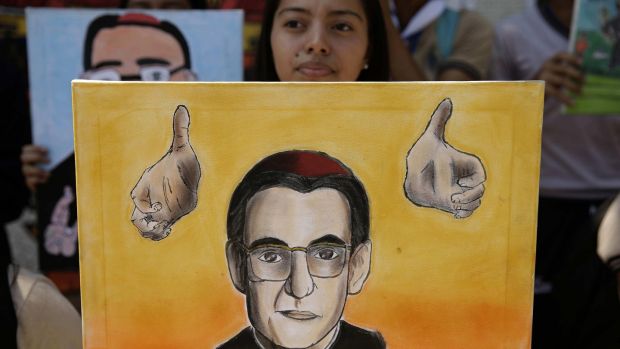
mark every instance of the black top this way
{"type": "Point", "coordinates": [349, 337]}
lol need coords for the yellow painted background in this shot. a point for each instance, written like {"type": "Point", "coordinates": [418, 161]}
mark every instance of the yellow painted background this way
{"type": "Point", "coordinates": [436, 282]}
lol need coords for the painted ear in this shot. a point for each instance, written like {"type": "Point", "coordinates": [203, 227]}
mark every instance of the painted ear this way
{"type": "Point", "coordinates": [236, 265]}
{"type": "Point", "coordinates": [359, 267]}
{"type": "Point", "coordinates": [185, 75]}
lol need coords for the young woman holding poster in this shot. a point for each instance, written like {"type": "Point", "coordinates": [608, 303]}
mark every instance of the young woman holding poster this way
{"type": "Point", "coordinates": [325, 40]}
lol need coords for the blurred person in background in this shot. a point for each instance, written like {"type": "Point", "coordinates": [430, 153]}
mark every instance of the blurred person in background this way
{"type": "Point", "coordinates": [34, 314]}
{"type": "Point", "coordinates": [436, 40]}
{"type": "Point", "coordinates": [15, 132]}
{"type": "Point", "coordinates": [575, 303]}
{"type": "Point", "coordinates": [609, 239]}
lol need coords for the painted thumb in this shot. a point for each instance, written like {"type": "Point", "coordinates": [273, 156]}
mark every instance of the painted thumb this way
{"type": "Point", "coordinates": [439, 119]}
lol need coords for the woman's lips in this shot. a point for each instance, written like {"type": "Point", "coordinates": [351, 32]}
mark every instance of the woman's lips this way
{"type": "Point", "coordinates": [315, 70]}
{"type": "Point", "coordinates": [299, 315]}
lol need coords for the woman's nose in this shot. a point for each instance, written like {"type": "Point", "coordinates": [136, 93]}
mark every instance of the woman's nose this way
{"type": "Point", "coordinates": [317, 41]}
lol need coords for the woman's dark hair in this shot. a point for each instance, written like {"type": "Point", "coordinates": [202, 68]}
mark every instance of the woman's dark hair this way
{"type": "Point", "coordinates": [302, 171]}
{"type": "Point", "coordinates": [378, 57]}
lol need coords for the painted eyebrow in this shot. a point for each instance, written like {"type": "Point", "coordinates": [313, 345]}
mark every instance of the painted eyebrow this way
{"type": "Point", "coordinates": [147, 61]}
{"type": "Point", "coordinates": [333, 239]}
{"type": "Point", "coordinates": [107, 64]}
{"type": "Point", "coordinates": [267, 241]}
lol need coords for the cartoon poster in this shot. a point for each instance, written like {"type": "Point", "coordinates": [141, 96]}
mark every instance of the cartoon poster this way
{"type": "Point", "coordinates": [307, 215]}
{"type": "Point", "coordinates": [110, 45]}
{"type": "Point", "coordinates": [595, 38]}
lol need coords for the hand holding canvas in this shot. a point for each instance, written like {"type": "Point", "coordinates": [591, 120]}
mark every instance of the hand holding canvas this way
{"type": "Point", "coordinates": [168, 190]}
{"type": "Point", "coordinates": [440, 176]}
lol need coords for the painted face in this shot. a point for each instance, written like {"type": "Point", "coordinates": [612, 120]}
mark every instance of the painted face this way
{"type": "Point", "coordinates": [319, 40]}
{"type": "Point", "coordinates": [131, 52]}
{"type": "Point", "coordinates": [302, 293]}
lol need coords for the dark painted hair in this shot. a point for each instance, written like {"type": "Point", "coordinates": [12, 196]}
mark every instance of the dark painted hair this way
{"type": "Point", "coordinates": [135, 19]}
{"type": "Point", "coordinates": [194, 4]}
{"type": "Point", "coordinates": [302, 171]}
{"type": "Point", "coordinates": [378, 57]}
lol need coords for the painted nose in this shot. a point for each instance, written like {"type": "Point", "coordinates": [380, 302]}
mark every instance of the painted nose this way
{"type": "Point", "coordinates": [299, 283]}
{"type": "Point", "coordinates": [317, 42]}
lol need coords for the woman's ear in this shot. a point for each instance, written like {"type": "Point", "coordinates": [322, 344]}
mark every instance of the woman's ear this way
{"type": "Point", "coordinates": [235, 257]}
{"type": "Point", "coordinates": [359, 267]}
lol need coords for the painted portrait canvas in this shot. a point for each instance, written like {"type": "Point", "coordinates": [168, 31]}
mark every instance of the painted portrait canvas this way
{"type": "Point", "coordinates": [108, 44]}
{"type": "Point", "coordinates": [307, 215]}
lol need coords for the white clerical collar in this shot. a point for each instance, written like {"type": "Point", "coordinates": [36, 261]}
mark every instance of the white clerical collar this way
{"type": "Point", "coordinates": [425, 16]}
{"type": "Point", "coordinates": [329, 346]}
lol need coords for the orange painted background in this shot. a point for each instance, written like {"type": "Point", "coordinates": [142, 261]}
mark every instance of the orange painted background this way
{"type": "Point", "coordinates": [436, 282]}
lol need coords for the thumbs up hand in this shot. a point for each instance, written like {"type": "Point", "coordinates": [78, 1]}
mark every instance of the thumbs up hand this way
{"type": "Point", "coordinates": [168, 190]}
{"type": "Point", "coordinates": [440, 176]}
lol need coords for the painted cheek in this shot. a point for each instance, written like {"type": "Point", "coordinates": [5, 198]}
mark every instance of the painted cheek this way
{"type": "Point", "coordinates": [332, 294]}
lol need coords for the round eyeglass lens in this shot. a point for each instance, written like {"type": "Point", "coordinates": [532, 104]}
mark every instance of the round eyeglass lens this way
{"type": "Point", "coordinates": [105, 75]}
{"type": "Point", "coordinates": [154, 74]}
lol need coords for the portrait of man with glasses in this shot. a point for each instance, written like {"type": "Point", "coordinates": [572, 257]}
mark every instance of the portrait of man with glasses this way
{"type": "Point", "coordinates": [298, 246]}
{"type": "Point", "coordinates": [135, 47]}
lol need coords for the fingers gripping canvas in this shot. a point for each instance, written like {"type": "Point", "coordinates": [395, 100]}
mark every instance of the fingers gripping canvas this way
{"type": "Point", "coordinates": [396, 215]}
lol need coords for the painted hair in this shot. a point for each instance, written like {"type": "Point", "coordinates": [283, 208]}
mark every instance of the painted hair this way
{"type": "Point", "coordinates": [378, 57]}
{"type": "Point", "coordinates": [131, 19]}
{"type": "Point", "coordinates": [302, 171]}
{"type": "Point", "coordinates": [194, 4]}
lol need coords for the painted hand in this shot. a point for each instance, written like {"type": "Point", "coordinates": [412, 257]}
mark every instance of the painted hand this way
{"type": "Point", "coordinates": [60, 238]}
{"type": "Point", "coordinates": [440, 176]}
{"type": "Point", "coordinates": [168, 190]}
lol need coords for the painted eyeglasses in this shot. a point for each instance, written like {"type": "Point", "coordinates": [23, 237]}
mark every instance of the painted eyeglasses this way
{"type": "Point", "coordinates": [273, 262]}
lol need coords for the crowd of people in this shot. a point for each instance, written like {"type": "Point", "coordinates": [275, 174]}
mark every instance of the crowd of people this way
{"type": "Point", "coordinates": [576, 295]}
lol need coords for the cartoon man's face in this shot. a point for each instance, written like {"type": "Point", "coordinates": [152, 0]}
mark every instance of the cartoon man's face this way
{"type": "Point", "coordinates": [133, 52]}
{"type": "Point", "coordinates": [298, 253]}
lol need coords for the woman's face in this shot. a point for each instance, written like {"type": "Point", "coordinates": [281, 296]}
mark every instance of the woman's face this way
{"type": "Point", "coordinates": [319, 40]}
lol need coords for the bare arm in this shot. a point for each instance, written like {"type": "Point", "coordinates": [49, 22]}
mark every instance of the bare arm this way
{"type": "Point", "coordinates": [471, 52]}
{"type": "Point", "coordinates": [402, 65]}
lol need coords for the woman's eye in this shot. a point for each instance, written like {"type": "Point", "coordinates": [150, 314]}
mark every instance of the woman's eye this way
{"type": "Point", "coordinates": [343, 27]}
{"type": "Point", "coordinates": [326, 254]}
{"type": "Point", "coordinates": [270, 257]}
{"type": "Point", "coordinates": [293, 24]}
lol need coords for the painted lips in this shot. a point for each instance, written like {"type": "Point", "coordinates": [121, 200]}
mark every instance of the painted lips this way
{"type": "Point", "coordinates": [299, 315]}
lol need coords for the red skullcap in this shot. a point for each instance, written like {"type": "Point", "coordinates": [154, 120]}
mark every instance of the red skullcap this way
{"type": "Point", "coordinates": [303, 163]}
{"type": "Point", "coordinates": [138, 18]}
